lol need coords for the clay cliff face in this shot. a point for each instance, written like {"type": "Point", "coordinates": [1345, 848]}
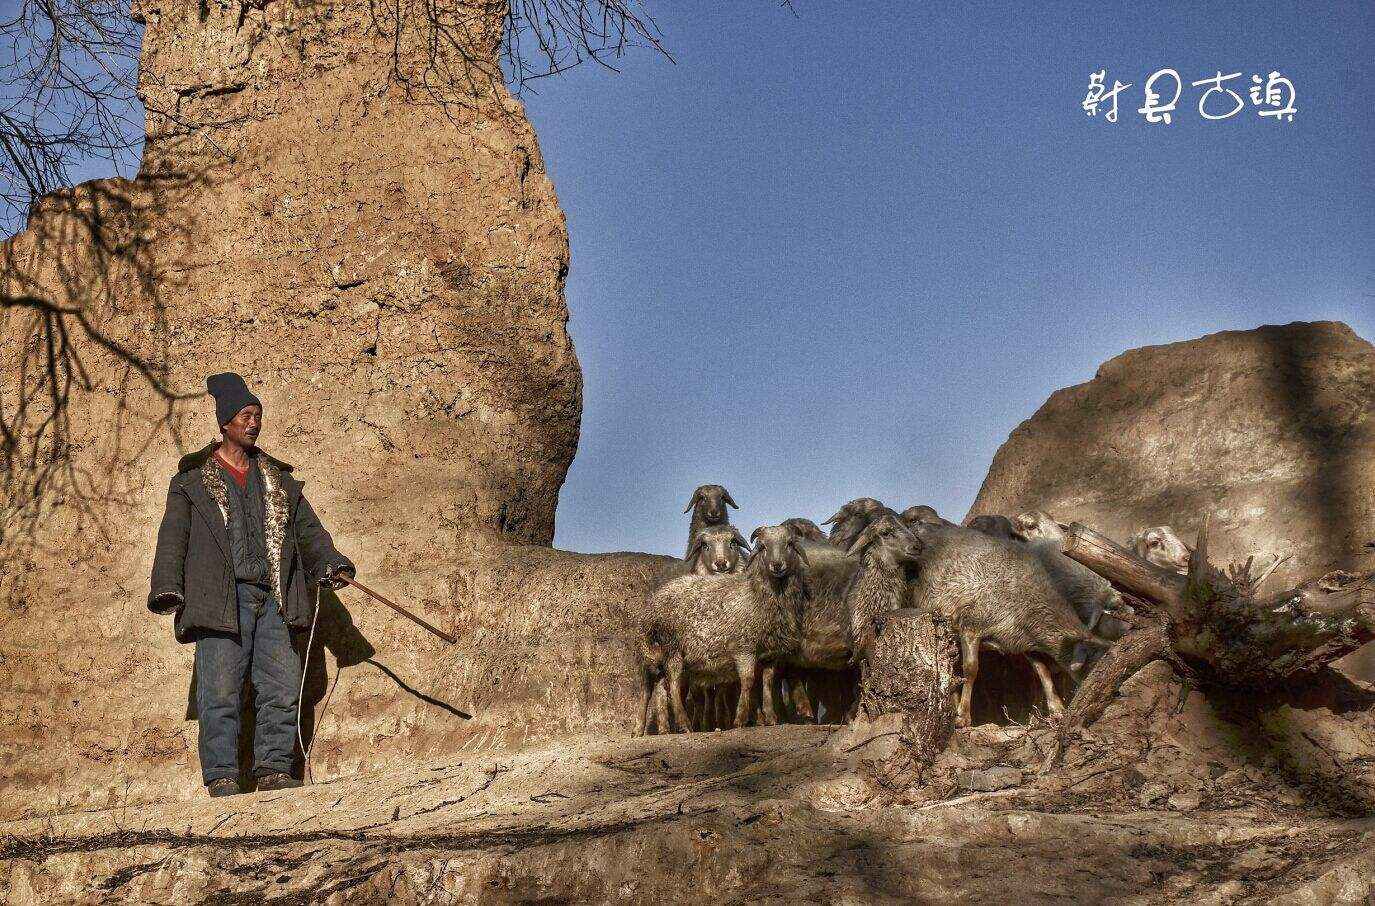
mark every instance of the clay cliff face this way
{"type": "Point", "coordinates": [361, 224]}
{"type": "Point", "coordinates": [1271, 430]}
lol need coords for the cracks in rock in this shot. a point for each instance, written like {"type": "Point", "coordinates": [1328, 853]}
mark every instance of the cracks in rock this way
{"type": "Point", "coordinates": [127, 874]}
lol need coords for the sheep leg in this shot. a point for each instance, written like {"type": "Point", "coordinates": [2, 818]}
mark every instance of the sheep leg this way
{"type": "Point", "coordinates": [675, 692]}
{"type": "Point", "coordinates": [801, 699]}
{"type": "Point", "coordinates": [768, 714]}
{"type": "Point", "coordinates": [729, 699]}
{"type": "Point", "coordinates": [1057, 707]}
{"type": "Point", "coordinates": [696, 699]}
{"type": "Point", "coordinates": [779, 707]}
{"type": "Point", "coordinates": [646, 694]}
{"type": "Point", "coordinates": [969, 651]}
{"type": "Point", "coordinates": [747, 666]}
{"type": "Point", "coordinates": [1095, 616]}
{"type": "Point", "coordinates": [664, 725]}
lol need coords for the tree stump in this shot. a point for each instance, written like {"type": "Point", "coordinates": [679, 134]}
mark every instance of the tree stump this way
{"type": "Point", "coordinates": [909, 669]}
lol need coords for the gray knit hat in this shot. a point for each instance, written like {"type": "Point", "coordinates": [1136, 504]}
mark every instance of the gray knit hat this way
{"type": "Point", "coordinates": [231, 395]}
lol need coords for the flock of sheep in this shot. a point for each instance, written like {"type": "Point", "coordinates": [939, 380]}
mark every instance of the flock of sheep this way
{"type": "Point", "coordinates": [788, 614]}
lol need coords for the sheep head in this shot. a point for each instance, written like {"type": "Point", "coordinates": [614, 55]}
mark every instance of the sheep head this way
{"type": "Point", "coordinates": [1036, 525]}
{"type": "Point", "coordinates": [710, 502]}
{"type": "Point", "coordinates": [805, 528]}
{"type": "Point", "coordinates": [888, 540]}
{"type": "Point", "coordinates": [717, 549]}
{"type": "Point", "coordinates": [777, 551]}
{"type": "Point", "coordinates": [993, 526]}
{"type": "Point", "coordinates": [921, 514]}
{"type": "Point", "coordinates": [851, 519]}
{"type": "Point", "coordinates": [1161, 546]}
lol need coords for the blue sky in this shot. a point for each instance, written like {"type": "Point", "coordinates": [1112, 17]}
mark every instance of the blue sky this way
{"type": "Point", "coordinates": [844, 253]}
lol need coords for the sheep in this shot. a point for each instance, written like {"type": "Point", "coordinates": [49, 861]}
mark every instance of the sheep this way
{"type": "Point", "coordinates": [814, 672]}
{"type": "Point", "coordinates": [845, 589]}
{"type": "Point", "coordinates": [717, 549]}
{"type": "Point", "coordinates": [887, 549]}
{"type": "Point", "coordinates": [1161, 546]}
{"type": "Point", "coordinates": [806, 528]}
{"type": "Point", "coordinates": [708, 507]}
{"type": "Point", "coordinates": [851, 519]}
{"type": "Point", "coordinates": [992, 526]}
{"type": "Point", "coordinates": [996, 592]}
{"type": "Point", "coordinates": [922, 513]}
{"type": "Point", "coordinates": [718, 628]}
{"type": "Point", "coordinates": [1093, 597]}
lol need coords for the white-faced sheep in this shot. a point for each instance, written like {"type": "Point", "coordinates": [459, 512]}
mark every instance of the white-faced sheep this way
{"type": "Point", "coordinates": [717, 549]}
{"type": "Point", "coordinates": [715, 629]}
{"type": "Point", "coordinates": [997, 592]}
{"type": "Point", "coordinates": [1161, 546]}
{"type": "Point", "coordinates": [708, 507]}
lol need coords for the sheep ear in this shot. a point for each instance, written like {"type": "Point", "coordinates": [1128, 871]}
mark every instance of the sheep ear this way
{"type": "Point", "coordinates": [730, 500]}
{"type": "Point", "coordinates": [740, 539]}
{"type": "Point", "coordinates": [754, 535]}
{"type": "Point", "coordinates": [840, 514]}
{"type": "Point", "coordinates": [864, 539]}
{"type": "Point", "coordinates": [696, 496]}
{"type": "Point", "coordinates": [801, 554]}
{"type": "Point", "coordinates": [696, 548]}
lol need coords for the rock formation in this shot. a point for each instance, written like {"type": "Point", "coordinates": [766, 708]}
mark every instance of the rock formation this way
{"type": "Point", "coordinates": [1271, 430]}
{"type": "Point", "coordinates": [344, 204]}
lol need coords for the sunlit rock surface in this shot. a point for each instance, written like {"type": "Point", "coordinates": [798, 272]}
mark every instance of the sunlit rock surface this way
{"type": "Point", "coordinates": [1271, 430]}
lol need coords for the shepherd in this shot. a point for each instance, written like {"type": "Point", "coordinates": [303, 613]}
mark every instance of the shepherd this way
{"type": "Point", "coordinates": [237, 550]}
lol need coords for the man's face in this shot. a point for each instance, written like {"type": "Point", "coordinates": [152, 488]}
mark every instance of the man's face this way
{"type": "Point", "coordinates": [243, 428]}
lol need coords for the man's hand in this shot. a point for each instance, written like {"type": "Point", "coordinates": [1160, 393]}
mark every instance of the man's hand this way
{"type": "Point", "coordinates": [333, 579]}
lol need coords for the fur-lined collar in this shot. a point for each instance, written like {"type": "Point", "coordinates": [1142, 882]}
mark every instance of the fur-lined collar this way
{"type": "Point", "coordinates": [197, 459]}
{"type": "Point", "coordinates": [275, 510]}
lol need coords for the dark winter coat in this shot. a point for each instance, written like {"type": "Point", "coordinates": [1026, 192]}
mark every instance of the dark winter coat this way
{"type": "Point", "coordinates": [193, 569]}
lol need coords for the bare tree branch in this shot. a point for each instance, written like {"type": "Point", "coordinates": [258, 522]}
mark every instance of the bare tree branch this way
{"type": "Point", "coordinates": [68, 72]}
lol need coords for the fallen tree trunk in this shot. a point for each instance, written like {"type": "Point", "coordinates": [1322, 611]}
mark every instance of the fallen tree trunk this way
{"type": "Point", "coordinates": [1216, 622]}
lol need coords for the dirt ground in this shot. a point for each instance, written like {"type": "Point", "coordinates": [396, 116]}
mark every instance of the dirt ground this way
{"type": "Point", "coordinates": [1171, 797]}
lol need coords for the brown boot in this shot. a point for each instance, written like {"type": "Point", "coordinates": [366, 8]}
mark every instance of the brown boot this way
{"type": "Point", "coordinates": [277, 780]}
{"type": "Point", "coordinates": [225, 786]}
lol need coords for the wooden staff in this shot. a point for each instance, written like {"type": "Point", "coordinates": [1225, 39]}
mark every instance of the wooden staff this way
{"type": "Point", "coordinates": [398, 608]}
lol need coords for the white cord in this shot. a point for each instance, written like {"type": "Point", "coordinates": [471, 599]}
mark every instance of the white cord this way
{"type": "Point", "coordinates": [301, 696]}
